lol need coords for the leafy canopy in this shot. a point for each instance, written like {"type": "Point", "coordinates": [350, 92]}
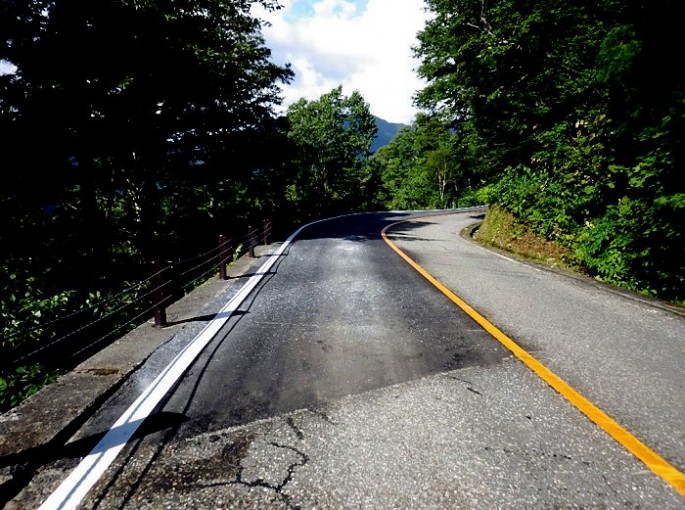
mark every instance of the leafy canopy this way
{"type": "Point", "coordinates": [333, 135]}
{"type": "Point", "coordinates": [577, 114]}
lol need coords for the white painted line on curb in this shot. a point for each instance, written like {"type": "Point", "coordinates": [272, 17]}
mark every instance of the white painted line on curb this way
{"type": "Point", "coordinates": [74, 488]}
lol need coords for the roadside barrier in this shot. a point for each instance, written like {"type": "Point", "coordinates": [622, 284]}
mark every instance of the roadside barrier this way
{"type": "Point", "coordinates": [70, 337]}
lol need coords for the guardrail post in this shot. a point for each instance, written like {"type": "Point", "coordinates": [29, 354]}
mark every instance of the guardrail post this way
{"type": "Point", "coordinates": [223, 256]}
{"type": "Point", "coordinates": [161, 292]}
{"type": "Point", "coordinates": [267, 231]}
{"type": "Point", "coordinates": [252, 240]}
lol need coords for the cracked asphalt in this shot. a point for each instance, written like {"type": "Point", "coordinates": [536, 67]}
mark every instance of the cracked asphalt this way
{"type": "Point", "coordinates": [347, 381]}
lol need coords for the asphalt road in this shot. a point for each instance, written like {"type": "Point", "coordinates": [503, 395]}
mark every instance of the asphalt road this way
{"type": "Point", "coordinates": [348, 381]}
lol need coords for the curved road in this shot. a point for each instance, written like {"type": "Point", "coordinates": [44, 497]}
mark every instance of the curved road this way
{"type": "Point", "coordinates": [348, 381]}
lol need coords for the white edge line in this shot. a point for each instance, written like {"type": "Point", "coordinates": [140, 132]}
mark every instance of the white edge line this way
{"type": "Point", "coordinates": [75, 487]}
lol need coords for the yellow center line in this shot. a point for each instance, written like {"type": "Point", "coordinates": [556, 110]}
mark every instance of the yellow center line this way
{"type": "Point", "coordinates": [649, 457]}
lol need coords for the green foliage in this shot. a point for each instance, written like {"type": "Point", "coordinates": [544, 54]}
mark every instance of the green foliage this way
{"type": "Point", "coordinates": [24, 307]}
{"type": "Point", "coordinates": [426, 165]}
{"type": "Point", "coordinates": [579, 115]}
{"type": "Point", "coordinates": [135, 127]}
{"type": "Point", "coordinates": [502, 230]}
{"type": "Point", "coordinates": [150, 130]}
{"type": "Point", "coordinates": [21, 382]}
{"type": "Point", "coordinates": [617, 53]}
{"type": "Point", "coordinates": [332, 136]}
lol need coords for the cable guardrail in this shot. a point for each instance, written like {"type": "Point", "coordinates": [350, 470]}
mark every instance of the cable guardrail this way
{"type": "Point", "coordinates": [117, 329]}
{"type": "Point", "coordinates": [99, 320]}
{"type": "Point", "coordinates": [215, 251]}
{"type": "Point", "coordinates": [80, 311]}
{"type": "Point", "coordinates": [167, 281]}
{"type": "Point", "coordinates": [188, 277]}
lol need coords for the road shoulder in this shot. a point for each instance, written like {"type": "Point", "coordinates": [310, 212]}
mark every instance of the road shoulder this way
{"type": "Point", "coordinates": [37, 430]}
{"type": "Point", "coordinates": [622, 353]}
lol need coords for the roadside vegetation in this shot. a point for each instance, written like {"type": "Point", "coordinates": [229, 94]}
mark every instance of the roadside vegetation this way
{"type": "Point", "coordinates": [572, 118]}
{"type": "Point", "coordinates": [503, 231]}
{"type": "Point", "coordinates": [159, 133]}
{"type": "Point", "coordinates": [141, 131]}
{"type": "Point", "coordinates": [568, 118]}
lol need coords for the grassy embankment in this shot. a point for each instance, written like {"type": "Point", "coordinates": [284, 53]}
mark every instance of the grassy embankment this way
{"type": "Point", "coordinates": [502, 231]}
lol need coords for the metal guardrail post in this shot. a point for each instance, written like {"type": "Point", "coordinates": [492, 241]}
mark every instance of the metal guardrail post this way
{"type": "Point", "coordinates": [223, 256]}
{"type": "Point", "coordinates": [252, 240]}
{"type": "Point", "coordinates": [160, 283]}
{"type": "Point", "coordinates": [267, 231]}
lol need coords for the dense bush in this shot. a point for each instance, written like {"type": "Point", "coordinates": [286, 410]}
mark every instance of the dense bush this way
{"type": "Point", "coordinates": [578, 114]}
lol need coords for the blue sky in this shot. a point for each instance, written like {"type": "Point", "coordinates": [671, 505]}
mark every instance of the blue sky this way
{"type": "Point", "coordinates": [305, 8]}
{"type": "Point", "coordinates": [362, 45]}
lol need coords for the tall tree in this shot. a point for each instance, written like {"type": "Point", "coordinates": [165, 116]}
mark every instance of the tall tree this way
{"type": "Point", "coordinates": [121, 123]}
{"type": "Point", "coordinates": [575, 105]}
{"type": "Point", "coordinates": [424, 166]}
{"type": "Point", "coordinates": [119, 95]}
{"type": "Point", "coordinates": [512, 69]}
{"type": "Point", "coordinates": [333, 135]}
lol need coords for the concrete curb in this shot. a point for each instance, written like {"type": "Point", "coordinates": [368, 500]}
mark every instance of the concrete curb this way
{"type": "Point", "coordinates": [32, 433]}
{"type": "Point", "coordinates": [468, 232]}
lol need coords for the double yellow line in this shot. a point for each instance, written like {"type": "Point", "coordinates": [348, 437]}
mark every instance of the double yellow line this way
{"type": "Point", "coordinates": [650, 458]}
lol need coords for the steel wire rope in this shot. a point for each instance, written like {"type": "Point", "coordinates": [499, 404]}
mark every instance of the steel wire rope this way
{"type": "Point", "coordinates": [210, 254]}
{"type": "Point", "coordinates": [213, 268]}
{"type": "Point", "coordinates": [190, 281]}
{"type": "Point", "coordinates": [139, 298]}
{"type": "Point", "coordinates": [211, 258]}
{"type": "Point", "coordinates": [121, 326]}
{"type": "Point", "coordinates": [243, 251]}
{"type": "Point", "coordinates": [226, 245]}
{"type": "Point", "coordinates": [266, 230]}
{"type": "Point", "coordinates": [250, 235]}
{"type": "Point", "coordinates": [90, 307]}
{"type": "Point", "coordinates": [88, 325]}
{"type": "Point", "coordinates": [218, 248]}
{"type": "Point", "coordinates": [113, 296]}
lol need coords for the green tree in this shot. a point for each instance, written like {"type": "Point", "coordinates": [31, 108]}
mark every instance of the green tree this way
{"type": "Point", "coordinates": [424, 166]}
{"type": "Point", "coordinates": [576, 110]}
{"type": "Point", "coordinates": [122, 123]}
{"type": "Point", "coordinates": [511, 69]}
{"type": "Point", "coordinates": [124, 98]}
{"type": "Point", "coordinates": [332, 135]}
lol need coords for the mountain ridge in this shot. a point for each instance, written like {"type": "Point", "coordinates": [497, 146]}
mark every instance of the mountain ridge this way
{"type": "Point", "coordinates": [386, 132]}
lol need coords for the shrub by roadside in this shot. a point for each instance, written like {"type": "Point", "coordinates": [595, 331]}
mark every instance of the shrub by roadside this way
{"type": "Point", "coordinates": [502, 230]}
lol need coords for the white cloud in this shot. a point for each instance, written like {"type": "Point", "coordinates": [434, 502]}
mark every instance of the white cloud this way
{"type": "Point", "coordinates": [363, 46]}
{"type": "Point", "coordinates": [7, 67]}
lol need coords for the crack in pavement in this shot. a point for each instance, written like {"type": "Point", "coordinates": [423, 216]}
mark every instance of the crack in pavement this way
{"type": "Point", "coordinates": [469, 385]}
{"type": "Point", "coordinates": [291, 423]}
{"type": "Point", "coordinates": [260, 482]}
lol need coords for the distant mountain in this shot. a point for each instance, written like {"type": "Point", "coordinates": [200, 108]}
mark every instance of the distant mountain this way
{"type": "Point", "coordinates": [386, 132]}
